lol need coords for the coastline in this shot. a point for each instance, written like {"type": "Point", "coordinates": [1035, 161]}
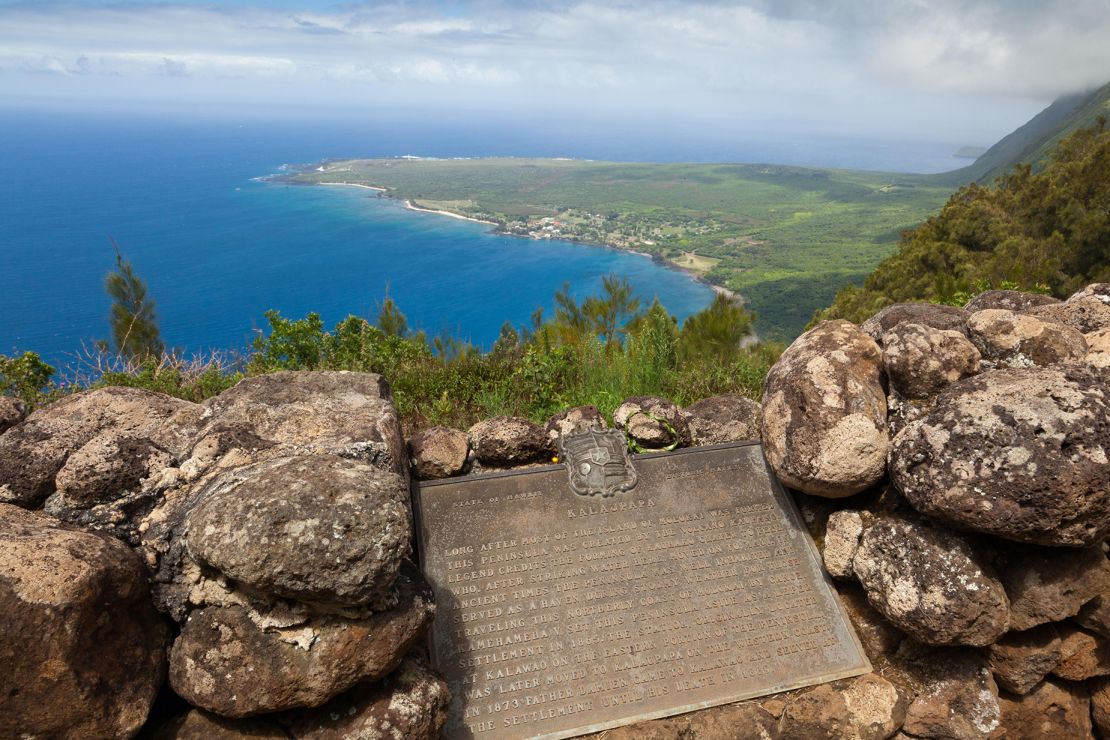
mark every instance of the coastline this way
{"type": "Point", "coordinates": [355, 185]}
{"type": "Point", "coordinates": [732, 295]}
{"type": "Point", "coordinates": [411, 206]}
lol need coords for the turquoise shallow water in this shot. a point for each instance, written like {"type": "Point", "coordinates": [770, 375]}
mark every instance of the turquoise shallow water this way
{"type": "Point", "coordinates": [219, 248]}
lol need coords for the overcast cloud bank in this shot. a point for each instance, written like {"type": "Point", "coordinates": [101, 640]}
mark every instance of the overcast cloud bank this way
{"type": "Point", "coordinates": [949, 70]}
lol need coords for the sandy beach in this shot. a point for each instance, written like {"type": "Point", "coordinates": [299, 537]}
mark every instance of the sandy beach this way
{"type": "Point", "coordinates": [413, 207]}
{"type": "Point", "coordinates": [354, 185]}
{"type": "Point", "coordinates": [730, 294]}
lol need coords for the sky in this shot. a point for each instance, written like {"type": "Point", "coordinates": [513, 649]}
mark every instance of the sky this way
{"type": "Point", "coordinates": [940, 70]}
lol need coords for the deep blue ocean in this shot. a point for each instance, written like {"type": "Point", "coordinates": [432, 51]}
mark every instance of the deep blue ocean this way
{"type": "Point", "coordinates": [218, 247]}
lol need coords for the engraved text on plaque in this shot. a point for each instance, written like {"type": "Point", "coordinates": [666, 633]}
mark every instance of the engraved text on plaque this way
{"type": "Point", "coordinates": [559, 614]}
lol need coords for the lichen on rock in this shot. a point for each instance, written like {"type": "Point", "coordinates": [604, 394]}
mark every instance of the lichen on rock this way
{"type": "Point", "coordinates": [314, 528]}
{"type": "Point", "coordinates": [1009, 339]}
{"type": "Point", "coordinates": [1019, 454]}
{"type": "Point", "coordinates": [722, 419]}
{"type": "Point", "coordinates": [921, 361]}
{"type": "Point", "coordinates": [824, 412]}
{"type": "Point", "coordinates": [227, 663]}
{"type": "Point", "coordinates": [931, 583]}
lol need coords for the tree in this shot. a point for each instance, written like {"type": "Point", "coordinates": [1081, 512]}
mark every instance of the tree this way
{"type": "Point", "coordinates": [569, 316]}
{"type": "Point", "coordinates": [391, 321]}
{"type": "Point", "coordinates": [132, 319]}
{"type": "Point", "coordinates": [601, 316]}
{"type": "Point", "coordinates": [715, 332]}
{"type": "Point", "coordinates": [508, 342]}
{"type": "Point", "coordinates": [616, 305]}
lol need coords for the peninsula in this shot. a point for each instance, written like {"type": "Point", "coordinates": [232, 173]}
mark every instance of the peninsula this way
{"type": "Point", "coordinates": [785, 238]}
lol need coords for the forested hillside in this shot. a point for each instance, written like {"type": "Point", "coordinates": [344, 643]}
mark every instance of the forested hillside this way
{"type": "Point", "coordinates": [1047, 231]}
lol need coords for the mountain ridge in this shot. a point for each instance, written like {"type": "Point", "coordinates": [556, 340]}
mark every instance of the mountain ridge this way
{"type": "Point", "coordinates": [1032, 142]}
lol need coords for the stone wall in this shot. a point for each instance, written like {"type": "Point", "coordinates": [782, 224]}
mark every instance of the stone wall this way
{"type": "Point", "coordinates": [952, 466]}
{"type": "Point", "coordinates": [242, 567]}
{"type": "Point", "coordinates": [243, 564]}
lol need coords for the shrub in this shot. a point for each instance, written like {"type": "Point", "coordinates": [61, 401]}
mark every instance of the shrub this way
{"type": "Point", "coordinates": [26, 377]}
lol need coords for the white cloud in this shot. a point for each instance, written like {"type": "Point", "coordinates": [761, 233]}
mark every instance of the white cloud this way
{"type": "Point", "coordinates": [849, 61]}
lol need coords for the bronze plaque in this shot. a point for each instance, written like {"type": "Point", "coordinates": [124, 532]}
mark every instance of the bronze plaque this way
{"type": "Point", "coordinates": [560, 614]}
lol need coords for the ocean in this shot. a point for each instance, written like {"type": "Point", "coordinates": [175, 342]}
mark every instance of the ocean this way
{"type": "Point", "coordinates": [218, 247]}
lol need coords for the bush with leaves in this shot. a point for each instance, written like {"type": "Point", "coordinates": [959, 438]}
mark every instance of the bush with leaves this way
{"type": "Point", "coordinates": [716, 332]}
{"type": "Point", "coordinates": [190, 379]}
{"type": "Point", "coordinates": [26, 377]}
{"type": "Point", "coordinates": [599, 352]}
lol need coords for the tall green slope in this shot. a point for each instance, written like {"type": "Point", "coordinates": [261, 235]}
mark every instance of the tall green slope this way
{"type": "Point", "coordinates": [1048, 231]}
{"type": "Point", "coordinates": [1036, 139]}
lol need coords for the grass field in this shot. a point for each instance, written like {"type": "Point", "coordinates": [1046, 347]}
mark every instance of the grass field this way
{"type": "Point", "coordinates": [786, 238]}
{"type": "Point", "coordinates": [696, 262]}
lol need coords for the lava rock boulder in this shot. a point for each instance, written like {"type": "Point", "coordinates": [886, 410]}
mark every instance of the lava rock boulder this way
{"type": "Point", "coordinates": [824, 412]}
{"type": "Point", "coordinates": [931, 583]}
{"type": "Point", "coordinates": [343, 413]}
{"type": "Point", "coordinates": [1015, 340]}
{"type": "Point", "coordinates": [316, 528]}
{"type": "Point", "coordinates": [1019, 454]}
{"type": "Point", "coordinates": [226, 662]}
{"type": "Point", "coordinates": [928, 314]}
{"type": "Point", "coordinates": [722, 419]}
{"type": "Point", "coordinates": [509, 441]}
{"type": "Point", "coordinates": [653, 423]}
{"type": "Point", "coordinates": [83, 650]}
{"type": "Point", "coordinates": [922, 361]}
{"type": "Point", "coordinates": [438, 452]}
{"type": "Point", "coordinates": [129, 421]}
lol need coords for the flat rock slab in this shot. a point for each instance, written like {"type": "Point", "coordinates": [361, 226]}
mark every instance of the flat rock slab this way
{"type": "Point", "coordinates": [560, 614]}
{"type": "Point", "coordinates": [343, 413]}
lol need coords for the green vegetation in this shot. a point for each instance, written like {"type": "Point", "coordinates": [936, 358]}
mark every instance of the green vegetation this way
{"type": "Point", "coordinates": [1034, 142]}
{"type": "Point", "coordinates": [25, 377]}
{"type": "Point", "coordinates": [785, 238]}
{"type": "Point", "coordinates": [133, 321]}
{"type": "Point", "coordinates": [598, 351]}
{"type": "Point", "coordinates": [1047, 231]}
